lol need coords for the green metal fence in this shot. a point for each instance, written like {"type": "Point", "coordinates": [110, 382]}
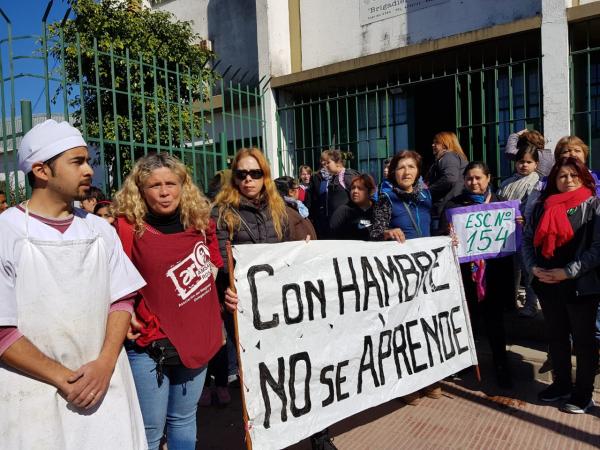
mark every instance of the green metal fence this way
{"type": "Point", "coordinates": [483, 93]}
{"type": "Point", "coordinates": [125, 105]}
{"type": "Point", "coordinates": [585, 85]}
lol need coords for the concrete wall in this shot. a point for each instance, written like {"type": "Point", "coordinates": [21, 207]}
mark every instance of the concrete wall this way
{"type": "Point", "coordinates": [332, 32]}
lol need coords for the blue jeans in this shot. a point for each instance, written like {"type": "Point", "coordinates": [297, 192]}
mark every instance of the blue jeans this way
{"type": "Point", "coordinates": [173, 403]}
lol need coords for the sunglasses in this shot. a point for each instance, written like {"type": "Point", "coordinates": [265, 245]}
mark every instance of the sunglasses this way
{"type": "Point", "coordinates": [255, 174]}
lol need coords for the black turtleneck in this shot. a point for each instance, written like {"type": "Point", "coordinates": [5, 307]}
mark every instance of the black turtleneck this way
{"type": "Point", "coordinates": [165, 224]}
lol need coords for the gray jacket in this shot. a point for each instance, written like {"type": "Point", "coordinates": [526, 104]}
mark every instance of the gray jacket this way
{"type": "Point", "coordinates": [586, 258]}
{"type": "Point", "coordinates": [445, 180]}
{"type": "Point", "coordinates": [546, 155]}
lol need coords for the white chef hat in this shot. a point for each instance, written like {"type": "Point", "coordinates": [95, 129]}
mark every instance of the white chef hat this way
{"type": "Point", "coordinates": [46, 140]}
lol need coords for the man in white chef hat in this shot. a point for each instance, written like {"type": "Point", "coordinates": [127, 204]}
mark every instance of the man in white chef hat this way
{"type": "Point", "coordinates": [66, 295]}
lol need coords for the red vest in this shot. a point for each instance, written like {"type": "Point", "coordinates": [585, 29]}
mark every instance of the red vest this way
{"type": "Point", "coordinates": [180, 300]}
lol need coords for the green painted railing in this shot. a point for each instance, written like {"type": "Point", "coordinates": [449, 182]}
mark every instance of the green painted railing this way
{"type": "Point", "coordinates": [585, 85]}
{"type": "Point", "coordinates": [124, 114]}
{"type": "Point", "coordinates": [482, 94]}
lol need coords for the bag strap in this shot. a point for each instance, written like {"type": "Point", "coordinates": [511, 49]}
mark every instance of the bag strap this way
{"type": "Point", "coordinates": [246, 226]}
{"type": "Point", "coordinates": [412, 219]}
{"type": "Point", "coordinates": [126, 234]}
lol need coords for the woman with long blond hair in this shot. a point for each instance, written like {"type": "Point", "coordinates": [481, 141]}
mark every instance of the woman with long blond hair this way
{"type": "Point", "coordinates": [444, 178]}
{"type": "Point", "coordinates": [164, 224]}
{"type": "Point", "coordinates": [250, 210]}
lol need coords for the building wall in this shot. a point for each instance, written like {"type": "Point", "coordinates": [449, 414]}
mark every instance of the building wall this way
{"type": "Point", "coordinates": [229, 24]}
{"type": "Point", "coordinates": [332, 30]}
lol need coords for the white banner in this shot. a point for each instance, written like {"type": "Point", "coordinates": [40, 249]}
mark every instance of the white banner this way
{"type": "Point", "coordinates": [330, 328]}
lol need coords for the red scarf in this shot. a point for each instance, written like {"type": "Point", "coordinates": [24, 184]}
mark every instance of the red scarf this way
{"type": "Point", "coordinates": [554, 229]}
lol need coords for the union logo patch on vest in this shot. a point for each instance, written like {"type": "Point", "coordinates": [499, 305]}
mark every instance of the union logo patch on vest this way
{"type": "Point", "coordinates": [189, 274]}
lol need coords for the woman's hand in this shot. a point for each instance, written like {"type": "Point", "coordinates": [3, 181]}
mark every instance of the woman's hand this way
{"type": "Point", "coordinates": [520, 220]}
{"type": "Point", "coordinates": [134, 328]}
{"type": "Point", "coordinates": [394, 234]}
{"type": "Point", "coordinates": [453, 235]}
{"type": "Point", "coordinates": [556, 275]}
{"type": "Point", "coordinates": [231, 300]}
{"type": "Point", "coordinates": [549, 276]}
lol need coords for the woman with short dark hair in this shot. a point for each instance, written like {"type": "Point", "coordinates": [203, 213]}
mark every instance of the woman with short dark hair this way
{"type": "Point", "coordinates": [353, 221]}
{"type": "Point", "coordinates": [404, 211]}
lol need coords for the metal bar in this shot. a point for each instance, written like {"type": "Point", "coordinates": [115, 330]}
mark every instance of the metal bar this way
{"type": "Point", "coordinates": [257, 101]}
{"type": "Point", "coordinates": [232, 114]}
{"type": "Point", "coordinates": [105, 184]}
{"type": "Point", "coordinates": [589, 104]}
{"type": "Point", "coordinates": [329, 135]}
{"type": "Point", "coordinates": [240, 116]}
{"type": "Point", "coordinates": [224, 116]}
{"type": "Point", "coordinates": [3, 125]}
{"type": "Point", "coordinates": [129, 106]}
{"type": "Point", "coordinates": [192, 123]}
{"type": "Point", "coordinates": [496, 102]}
{"type": "Point", "coordinates": [168, 108]}
{"type": "Point", "coordinates": [115, 118]}
{"type": "Point", "coordinates": [214, 134]}
{"type": "Point", "coordinates": [143, 102]}
{"type": "Point", "coordinates": [156, 106]}
{"type": "Point", "coordinates": [470, 114]}
{"type": "Point", "coordinates": [180, 119]}
{"type": "Point", "coordinates": [387, 124]}
{"type": "Point", "coordinates": [64, 76]}
{"type": "Point", "coordinates": [81, 88]}
{"type": "Point", "coordinates": [45, 59]}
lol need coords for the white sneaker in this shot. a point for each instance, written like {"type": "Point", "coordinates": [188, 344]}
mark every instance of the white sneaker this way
{"type": "Point", "coordinates": [574, 408]}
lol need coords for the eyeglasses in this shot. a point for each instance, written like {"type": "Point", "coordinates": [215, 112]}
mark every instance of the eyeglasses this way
{"type": "Point", "coordinates": [255, 174]}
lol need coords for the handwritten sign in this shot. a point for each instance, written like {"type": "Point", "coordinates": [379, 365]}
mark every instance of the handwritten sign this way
{"type": "Point", "coordinates": [486, 231]}
{"type": "Point", "coordinates": [348, 328]}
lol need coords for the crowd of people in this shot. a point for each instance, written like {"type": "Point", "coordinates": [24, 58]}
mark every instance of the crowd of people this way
{"type": "Point", "coordinates": [177, 346]}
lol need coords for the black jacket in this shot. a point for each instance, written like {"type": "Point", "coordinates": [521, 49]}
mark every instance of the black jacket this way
{"type": "Point", "coordinates": [445, 180]}
{"type": "Point", "coordinates": [321, 206]}
{"type": "Point", "coordinates": [580, 257]}
{"type": "Point", "coordinates": [351, 222]}
{"type": "Point", "coordinates": [256, 227]}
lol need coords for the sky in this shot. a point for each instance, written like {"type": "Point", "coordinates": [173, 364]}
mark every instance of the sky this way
{"type": "Point", "coordinates": [26, 20]}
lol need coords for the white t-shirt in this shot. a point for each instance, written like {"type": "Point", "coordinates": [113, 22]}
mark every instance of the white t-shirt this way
{"type": "Point", "coordinates": [124, 277]}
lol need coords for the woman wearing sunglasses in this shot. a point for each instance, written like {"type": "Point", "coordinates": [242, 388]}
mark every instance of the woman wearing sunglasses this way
{"type": "Point", "coordinates": [249, 210]}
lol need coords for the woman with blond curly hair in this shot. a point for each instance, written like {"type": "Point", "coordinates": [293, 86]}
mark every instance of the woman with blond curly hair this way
{"type": "Point", "coordinates": [164, 223]}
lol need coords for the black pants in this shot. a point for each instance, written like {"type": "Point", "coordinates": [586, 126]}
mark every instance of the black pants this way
{"type": "Point", "coordinates": [491, 310]}
{"type": "Point", "coordinates": [567, 316]}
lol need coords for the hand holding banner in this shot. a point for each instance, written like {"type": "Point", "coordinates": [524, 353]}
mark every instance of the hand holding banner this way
{"type": "Point", "coordinates": [485, 231]}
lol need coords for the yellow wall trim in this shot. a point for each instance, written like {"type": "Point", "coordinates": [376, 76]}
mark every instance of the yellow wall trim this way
{"type": "Point", "coordinates": [295, 35]}
{"type": "Point", "coordinates": [583, 12]}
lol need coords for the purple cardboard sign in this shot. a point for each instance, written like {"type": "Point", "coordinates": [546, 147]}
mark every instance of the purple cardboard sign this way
{"type": "Point", "coordinates": [487, 230]}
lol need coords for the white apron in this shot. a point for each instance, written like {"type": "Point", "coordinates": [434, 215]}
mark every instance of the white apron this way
{"type": "Point", "coordinates": [63, 298]}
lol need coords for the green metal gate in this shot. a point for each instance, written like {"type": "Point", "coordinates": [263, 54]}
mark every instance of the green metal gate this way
{"type": "Point", "coordinates": [482, 92]}
{"type": "Point", "coordinates": [205, 123]}
{"type": "Point", "coordinates": [584, 41]}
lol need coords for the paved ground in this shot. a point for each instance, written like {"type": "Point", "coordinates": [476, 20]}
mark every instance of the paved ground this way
{"type": "Point", "coordinates": [470, 415]}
